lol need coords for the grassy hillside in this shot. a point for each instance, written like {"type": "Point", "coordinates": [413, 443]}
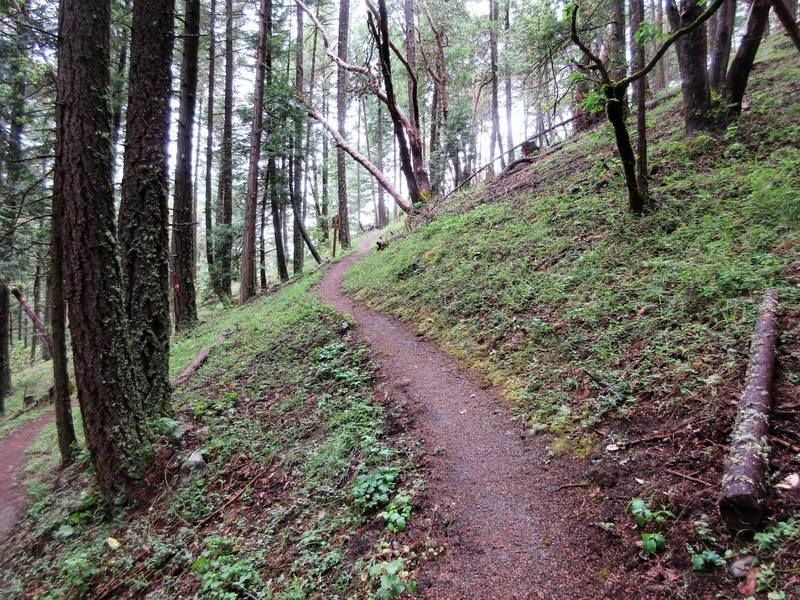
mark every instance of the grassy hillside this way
{"type": "Point", "coordinates": [602, 328]}
{"type": "Point", "coordinates": [294, 435]}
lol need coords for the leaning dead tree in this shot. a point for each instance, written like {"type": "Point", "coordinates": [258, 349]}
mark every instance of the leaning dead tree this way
{"type": "Point", "coordinates": [407, 129]}
{"type": "Point", "coordinates": [743, 496]}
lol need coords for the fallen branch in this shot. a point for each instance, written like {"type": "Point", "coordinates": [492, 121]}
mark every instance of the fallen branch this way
{"type": "Point", "coordinates": [689, 477]}
{"type": "Point", "coordinates": [743, 495]}
{"type": "Point", "coordinates": [198, 361]}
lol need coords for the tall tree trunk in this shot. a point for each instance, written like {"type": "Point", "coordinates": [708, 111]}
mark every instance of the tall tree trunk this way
{"type": "Point", "coordinates": [5, 354]}
{"type": "Point", "coordinates": [144, 214]}
{"type": "Point", "coordinates": [183, 292]}
{"type": "Point", "coordinates": [638, 58]}
{"type": "Point", "coordinates": [721, 49]}
{"type": "Point", "coordinates": [660, 80]}
{"type": "Point", "coordinates": [212, 59]}
{"type": "Point", "coordinates": [495, 142]}
{"type": "Point", "coordinates": [786, 11]}
{"type": "Point", "coordinates": [37, 294]}
{"type": "Point", "coordinates": [383, 217]}
{"type": "Point", "coordinates": [692, 53]}
{"type": "Point", "coordinates": [509, 99]}
{"type": "Point", "coordinates": [341, 115]}
{"type": "Point", "coordinates": [297, 198]}
{"type": "Point", "coordinates": [411, 49]}
{"type": "Point", "coordinates": [248, 280]}
{"type": "Point", "coordinates": [111, 403]}
{"type": "Point", "coordinates": [324, 222]}
{"type": "Point", "coordinates": [274, 200]}
{"type": "Point", "coordinates": [262, 250]}
{"type": "Point", "coordinates": [47, 312]}
{"type": "Point", "coordinates": [742, 64]}
{"type": "Point", "coordinates": [118, 86]}
{"type": "Point", "coordinates": [222, 253]}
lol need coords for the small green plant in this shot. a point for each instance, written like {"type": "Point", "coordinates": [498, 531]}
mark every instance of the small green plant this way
{"type": "Point", "coordinates": [703, 560]}
{"type": "Point", "coordinates": [392, 577]}
{"type": "Point", "coordinates": [225, 575]}
{"type": "Point", "coordinates": [643, 515]}
{"type": "Point", "coordinates": [397, 513]}
{"type": "Point", "coordinates": [372, 490]}
{"type": "Point", "coordinates": [703, 531]}
{"type": "Point", "coordinates": [653, 543]}
{"type": "Point", "coordinates": [772, 537]}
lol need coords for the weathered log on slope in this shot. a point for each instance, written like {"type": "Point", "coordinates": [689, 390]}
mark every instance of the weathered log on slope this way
{"type": "Point", "coordinates": [198, 361]}
{"type": "Point", "coordinates": [41, 330]}
{"type": "Point", "coordinates": [743, 496]}
{"type": "Point", "coordinates": [383, 243]}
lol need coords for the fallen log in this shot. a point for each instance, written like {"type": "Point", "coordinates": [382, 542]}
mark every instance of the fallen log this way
{"type": "Point", "coordinates": [41, 330]}
{"type": "Point", "coordinates": [382, 244]}
{"type": "Point", "coordinates": [742, 500]}
{"type": "Point", "coordinates": [198, 361]}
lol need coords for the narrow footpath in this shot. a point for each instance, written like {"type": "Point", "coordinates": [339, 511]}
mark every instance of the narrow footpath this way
{"type": "Point", "coordinates": [513, 536]}
{"type": "Point", "coordinates": [12, 463]}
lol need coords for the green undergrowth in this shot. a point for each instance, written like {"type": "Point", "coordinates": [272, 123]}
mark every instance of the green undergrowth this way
{"type": "Point", "coordinates": [580, 311]}
{"type": "Point", "coordinates": [299, 470]}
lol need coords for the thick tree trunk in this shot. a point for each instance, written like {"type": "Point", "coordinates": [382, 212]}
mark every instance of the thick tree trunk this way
{"type": "Point", "coordinates": [222, 253]}
{"type": "Point", "coordinates": [297, 198]}
{"type": "Point", "coordinates": [341, 115]}
{"type": "Point", "coordinates": [183, 292]}
{"type": "Point", "coordinates": [144, 214]}
{"type": "Point", "coordinates": [742, 64]}
{"type": "Point", "coordinates": [111, 403]}
{"type": "Point", "coordinates": [742, 500]}
{"type": "Point", "coordinates": [721, 49]}
{"type": "Point", "coordinates": [248, 279]}
{"type": "Point", "coordinates": [692, 53]}
{"type": "Point", "coordinates": [212, 67]}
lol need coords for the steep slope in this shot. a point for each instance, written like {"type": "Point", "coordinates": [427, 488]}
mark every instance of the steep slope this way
{"type": "Point", "coordinates": [603, 329]}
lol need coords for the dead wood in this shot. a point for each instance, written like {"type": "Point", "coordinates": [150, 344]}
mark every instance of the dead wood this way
{"type": "Point", "coordinates": [41, 330]}
{"type": "Point", "coordinates": [742, 500]}
{"type": "Point", "coordinates": [198, 361]}
{"type": "Point", "coordinates": [382, 244]}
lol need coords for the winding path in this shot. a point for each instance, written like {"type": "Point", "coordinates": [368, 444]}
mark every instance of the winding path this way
{"type": "Point", "coordinates": [512, 537]}
{"type": "Point", "coordinates": [12, 463]}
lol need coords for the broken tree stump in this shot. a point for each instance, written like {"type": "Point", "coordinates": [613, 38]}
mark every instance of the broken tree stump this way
{"type": "Point", "coordinates": [742, 499]}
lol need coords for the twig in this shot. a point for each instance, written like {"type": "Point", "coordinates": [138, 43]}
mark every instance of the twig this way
{"type": "Point", "coordinates": [786, 444]}
{"type": "Point", "coordinates": [689, 477]}
{"type": "Point", "coordinates": [572, 485]}
{"type": "Point", "coordinates": [236, 496]}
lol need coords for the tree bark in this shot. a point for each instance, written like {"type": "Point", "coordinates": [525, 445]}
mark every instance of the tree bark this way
{"type": "Point", "coordinates": [721, 49]}
{"type": "Point", "coordinates": [383, 217]}
{"type": "Point", "coordinates": [742, 500]}
{"type": "Point", "coordinates": [692, 53]}
{"type": "Point", "coordinates": [248, 279]}
{"type": "Point", "coordinates": [495, 141]}
{"type": "Point", "coordinates": [297, 199]}
{"type": "Point", "coordinates": [660, 79]}
{"type": "Point", "coordinates": [742, 64]}
{"type": "Point", "coordinates": [212, 59]}
{"type": "Point", "coordinates": [144, 212]}
{"type": "Point", "coordinates": [37, 295]}
{"type": "Point", "coordinates": [111, 404]}
{"type": "Point", "coordinates": [509, 100]}
{"type": "Point", "coordinates": [341, 115]}
{"type": "Point", "coordinates": [324, 222]}
{"type": "Point", "coordinates": [638, 58]}
{"type": "Point", "coordinates": [183, 292]}
{"type": "Point", "coordinates": [224, 248]}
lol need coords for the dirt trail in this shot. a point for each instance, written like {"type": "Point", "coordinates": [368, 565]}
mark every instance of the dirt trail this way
{"type": "Point", "coordinates": [513, 537]}
{"type": "Point", "coordinates": [12, 461]}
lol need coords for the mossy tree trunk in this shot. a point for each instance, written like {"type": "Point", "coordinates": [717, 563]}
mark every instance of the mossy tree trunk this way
{"type": "Point", "coordinates": [341, 116]}
{"type": "Point", "coordinates": [224, 246]}
{"type": "Point", "coordinates": [143, 215]}
{"type": "Point", "coordinates": [183, 292]}
{"type": "Point", "coordinates": [113, 413]}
